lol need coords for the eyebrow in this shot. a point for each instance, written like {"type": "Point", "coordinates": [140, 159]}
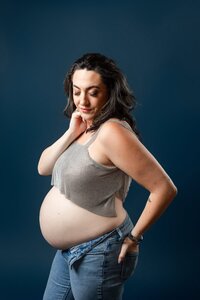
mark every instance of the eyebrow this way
{"type": "Point", "coordinates": [88, 88]}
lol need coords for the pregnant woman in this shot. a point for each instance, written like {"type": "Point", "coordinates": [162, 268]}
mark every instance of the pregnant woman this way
{"type": "Point", "coordinates": [92, 165]}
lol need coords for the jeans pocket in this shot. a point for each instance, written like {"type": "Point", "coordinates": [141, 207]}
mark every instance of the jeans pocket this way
{"type": "Point", "coordinates": [129, 264]}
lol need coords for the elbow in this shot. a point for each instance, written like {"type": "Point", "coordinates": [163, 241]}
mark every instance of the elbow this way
{"type": "Point", "coordinates": [170, 189]}
{"type": "Point", "coordinates": [39, 168]}
{"type": "Point", "coordinates": [43, 171]}
{"type": "Point", "coordinates": [44, 168]}
{"type": "Point", "coordinates": [166, 189]}
{"type": "Point", "coordinates": [175, 191]}
{"type": "Point", "coordinates": [173, 188]}
{"type": "Point", "coordinates": [40, 171]}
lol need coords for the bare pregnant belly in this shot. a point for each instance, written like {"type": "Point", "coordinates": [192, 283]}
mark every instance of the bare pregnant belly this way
{"type": "Point", "coordinates": [64, 224]}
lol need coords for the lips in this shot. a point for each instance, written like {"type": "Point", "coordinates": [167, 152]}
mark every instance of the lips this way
{"type": "Point", "coordinates": [85, 110]}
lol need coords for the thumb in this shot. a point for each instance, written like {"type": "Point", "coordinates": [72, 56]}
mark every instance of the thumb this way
{"type": "Point", "coordinates": [122, 253]}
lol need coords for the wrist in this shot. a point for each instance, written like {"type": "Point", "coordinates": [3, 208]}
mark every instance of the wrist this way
{"type": "Point", "coordinates": [136, 239]}
{"type": "Point", "coordinates": [70, 134]}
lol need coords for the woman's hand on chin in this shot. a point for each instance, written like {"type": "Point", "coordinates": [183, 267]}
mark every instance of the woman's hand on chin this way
{"type": "Point", "coordinates": [77, 123]}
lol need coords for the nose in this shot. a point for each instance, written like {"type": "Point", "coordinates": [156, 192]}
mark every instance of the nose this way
{"type": "Point", "coordinates": [84, 99]}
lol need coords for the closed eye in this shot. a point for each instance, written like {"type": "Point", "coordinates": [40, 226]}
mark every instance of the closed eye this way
{"type": "Point", "coordinates": [76, 93]}
{"type": "Point", "coordinates": [94, 94]}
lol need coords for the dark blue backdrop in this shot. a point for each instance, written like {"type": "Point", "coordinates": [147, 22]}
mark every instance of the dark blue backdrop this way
{"type": "Point", "coordinates": [156, 44]}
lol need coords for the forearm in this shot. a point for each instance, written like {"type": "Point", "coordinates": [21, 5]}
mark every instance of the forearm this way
{"type": "Point", "coordinates": [51, 153]}
{"type": "Point", "coordinates": [156, 204]}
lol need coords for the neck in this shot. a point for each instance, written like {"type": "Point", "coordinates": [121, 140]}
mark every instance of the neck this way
{"type": "Point", "coordinates": [89, 123]}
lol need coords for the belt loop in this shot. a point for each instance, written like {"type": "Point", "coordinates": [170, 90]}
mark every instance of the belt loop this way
{"type": "Point", "coordinates": [120, 233]}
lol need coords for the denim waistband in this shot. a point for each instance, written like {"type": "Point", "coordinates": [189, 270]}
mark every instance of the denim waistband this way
{"type": "Point", "coordinates": [76, 252]}
{"type": "Point", "coordinates": [124, 228]}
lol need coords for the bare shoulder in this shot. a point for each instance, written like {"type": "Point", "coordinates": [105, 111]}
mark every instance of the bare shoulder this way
{"type": "Point", "coordinates": [115, 132]}
{"type": "Point", "coordinates": [123, 148]}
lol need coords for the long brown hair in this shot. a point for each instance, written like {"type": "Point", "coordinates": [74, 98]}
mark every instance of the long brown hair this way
{"type": "Point", "coordinates": [121, 100]}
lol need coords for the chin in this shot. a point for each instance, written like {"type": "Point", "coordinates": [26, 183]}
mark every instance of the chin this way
{"type": "Point", "coordinates": [88, 117]}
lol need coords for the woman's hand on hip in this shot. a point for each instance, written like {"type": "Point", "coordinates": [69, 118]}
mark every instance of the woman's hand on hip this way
{"type": "Point", "coordinates": [127, 246]}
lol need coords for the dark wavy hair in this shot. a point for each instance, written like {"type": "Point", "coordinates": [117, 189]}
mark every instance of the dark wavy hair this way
{"type": "Point", "coordinates": [121, 100]}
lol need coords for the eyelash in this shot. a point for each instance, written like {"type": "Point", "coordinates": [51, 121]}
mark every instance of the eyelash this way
{"type": "Point", "coordinates": [94, 94]}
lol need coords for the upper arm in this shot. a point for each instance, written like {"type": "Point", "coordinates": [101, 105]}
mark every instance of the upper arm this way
{"type": "Point", "coordinates": [126, 152]}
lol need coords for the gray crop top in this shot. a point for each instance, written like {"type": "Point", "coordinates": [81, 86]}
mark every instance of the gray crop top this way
{"type": "Point", "coordinates": [88, 184]}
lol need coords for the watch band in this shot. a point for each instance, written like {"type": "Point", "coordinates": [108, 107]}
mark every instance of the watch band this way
{"type": "Point", "coordinates": [135, 239]}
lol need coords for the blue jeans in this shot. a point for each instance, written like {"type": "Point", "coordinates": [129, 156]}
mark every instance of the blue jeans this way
{"type": "Point", "coordinates": [90, 271]}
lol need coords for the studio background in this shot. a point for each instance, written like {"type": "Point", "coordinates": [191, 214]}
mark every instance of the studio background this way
{"type": "Point", "coordinates": [156, 44]}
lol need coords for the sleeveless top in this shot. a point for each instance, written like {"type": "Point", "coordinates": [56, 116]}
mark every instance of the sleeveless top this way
{"type": "Point", "coordinates": [87, 183]}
